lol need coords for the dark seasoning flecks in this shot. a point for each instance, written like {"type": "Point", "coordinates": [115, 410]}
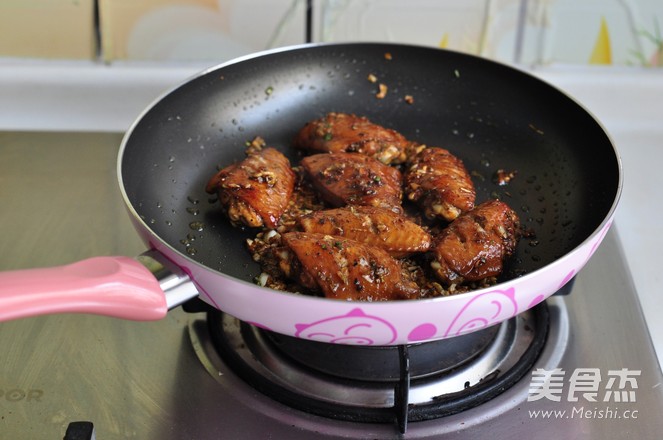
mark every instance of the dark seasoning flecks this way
{"type": "Point", "coordinates": [267, 238]}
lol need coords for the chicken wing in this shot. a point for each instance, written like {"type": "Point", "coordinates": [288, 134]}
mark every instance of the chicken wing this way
{"type": "Point", "coordinates": [338, 132]}
{"type": "Point", "coordinates": [345, 269]}
{"type": "Point", "coordinates": [475, 245]}
{"type": "Point", "coordinates": [373, 226]}
{"type": "Point", "coordinates": [354, 179]}
{"type": "Point", "coordinates": [438, 181]}
{"type": "Point", "coordinates": [257, 190]}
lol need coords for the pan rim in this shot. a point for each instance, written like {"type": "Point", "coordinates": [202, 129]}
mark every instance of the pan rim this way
{"type": "Point", "coordinates": [605, 223]}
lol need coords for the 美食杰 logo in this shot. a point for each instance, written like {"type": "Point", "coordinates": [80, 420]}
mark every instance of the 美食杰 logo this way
{"type": "Point", "coordinates": [595, 395]}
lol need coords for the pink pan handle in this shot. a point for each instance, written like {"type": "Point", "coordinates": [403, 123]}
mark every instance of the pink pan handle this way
{"type": "Point", "coordinates": [113, 286]}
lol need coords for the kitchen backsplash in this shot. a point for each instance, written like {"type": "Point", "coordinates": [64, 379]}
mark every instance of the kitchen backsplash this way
{"type": "Point", "coordinates": [47, 29]}
{"type": "Point", "coordinates": [530, 32]}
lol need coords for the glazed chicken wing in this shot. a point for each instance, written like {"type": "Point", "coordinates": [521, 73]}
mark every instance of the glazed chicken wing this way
{"type": "Point", "coordinates": [475, 245]}
{"type": "Point", "coordinates": [338, 132]}
{"type": "Point", "coordinates": [438, 181]}
{"type": "Point", "coordinates": [257, 190]}
{"type": "Point", "coordinates": [345, 269]}
{"type": "Point", "coordinates": [378, 227]}
{"type": "Point", "coordinates": [354, 179]}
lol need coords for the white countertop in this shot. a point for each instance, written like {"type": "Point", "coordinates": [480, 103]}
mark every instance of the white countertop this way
{"type": "Point", "coordinates": [81, 96]}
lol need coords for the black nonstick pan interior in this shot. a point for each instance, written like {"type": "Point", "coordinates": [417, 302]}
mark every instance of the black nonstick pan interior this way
{"type": "Point", "coordinates": [490, 115]}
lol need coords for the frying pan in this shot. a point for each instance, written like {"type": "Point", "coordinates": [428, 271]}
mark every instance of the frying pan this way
{"type": "Point", "coordinates": [566, 188]}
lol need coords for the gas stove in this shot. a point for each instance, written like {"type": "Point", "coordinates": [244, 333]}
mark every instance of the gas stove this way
{"type": "Point", "coordinates": [589, 369]}
{"type": "Point", "coordinates": [174, 379]}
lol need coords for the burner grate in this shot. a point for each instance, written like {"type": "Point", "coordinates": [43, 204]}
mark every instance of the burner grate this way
{"type": "Point", "coordinates": [381, 363]}
{"type": "Point", "coordinates": [401, 392]}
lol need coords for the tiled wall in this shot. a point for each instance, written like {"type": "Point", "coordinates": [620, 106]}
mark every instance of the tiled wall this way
{"type": "Point", "coordinates": [195, 29]}
{"type": "Point", "coordinates": [623, 32]}
{"type": "Point", "coordinates": [617, 32]}
{"type": "Point", "coordinates": [47, 28]}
